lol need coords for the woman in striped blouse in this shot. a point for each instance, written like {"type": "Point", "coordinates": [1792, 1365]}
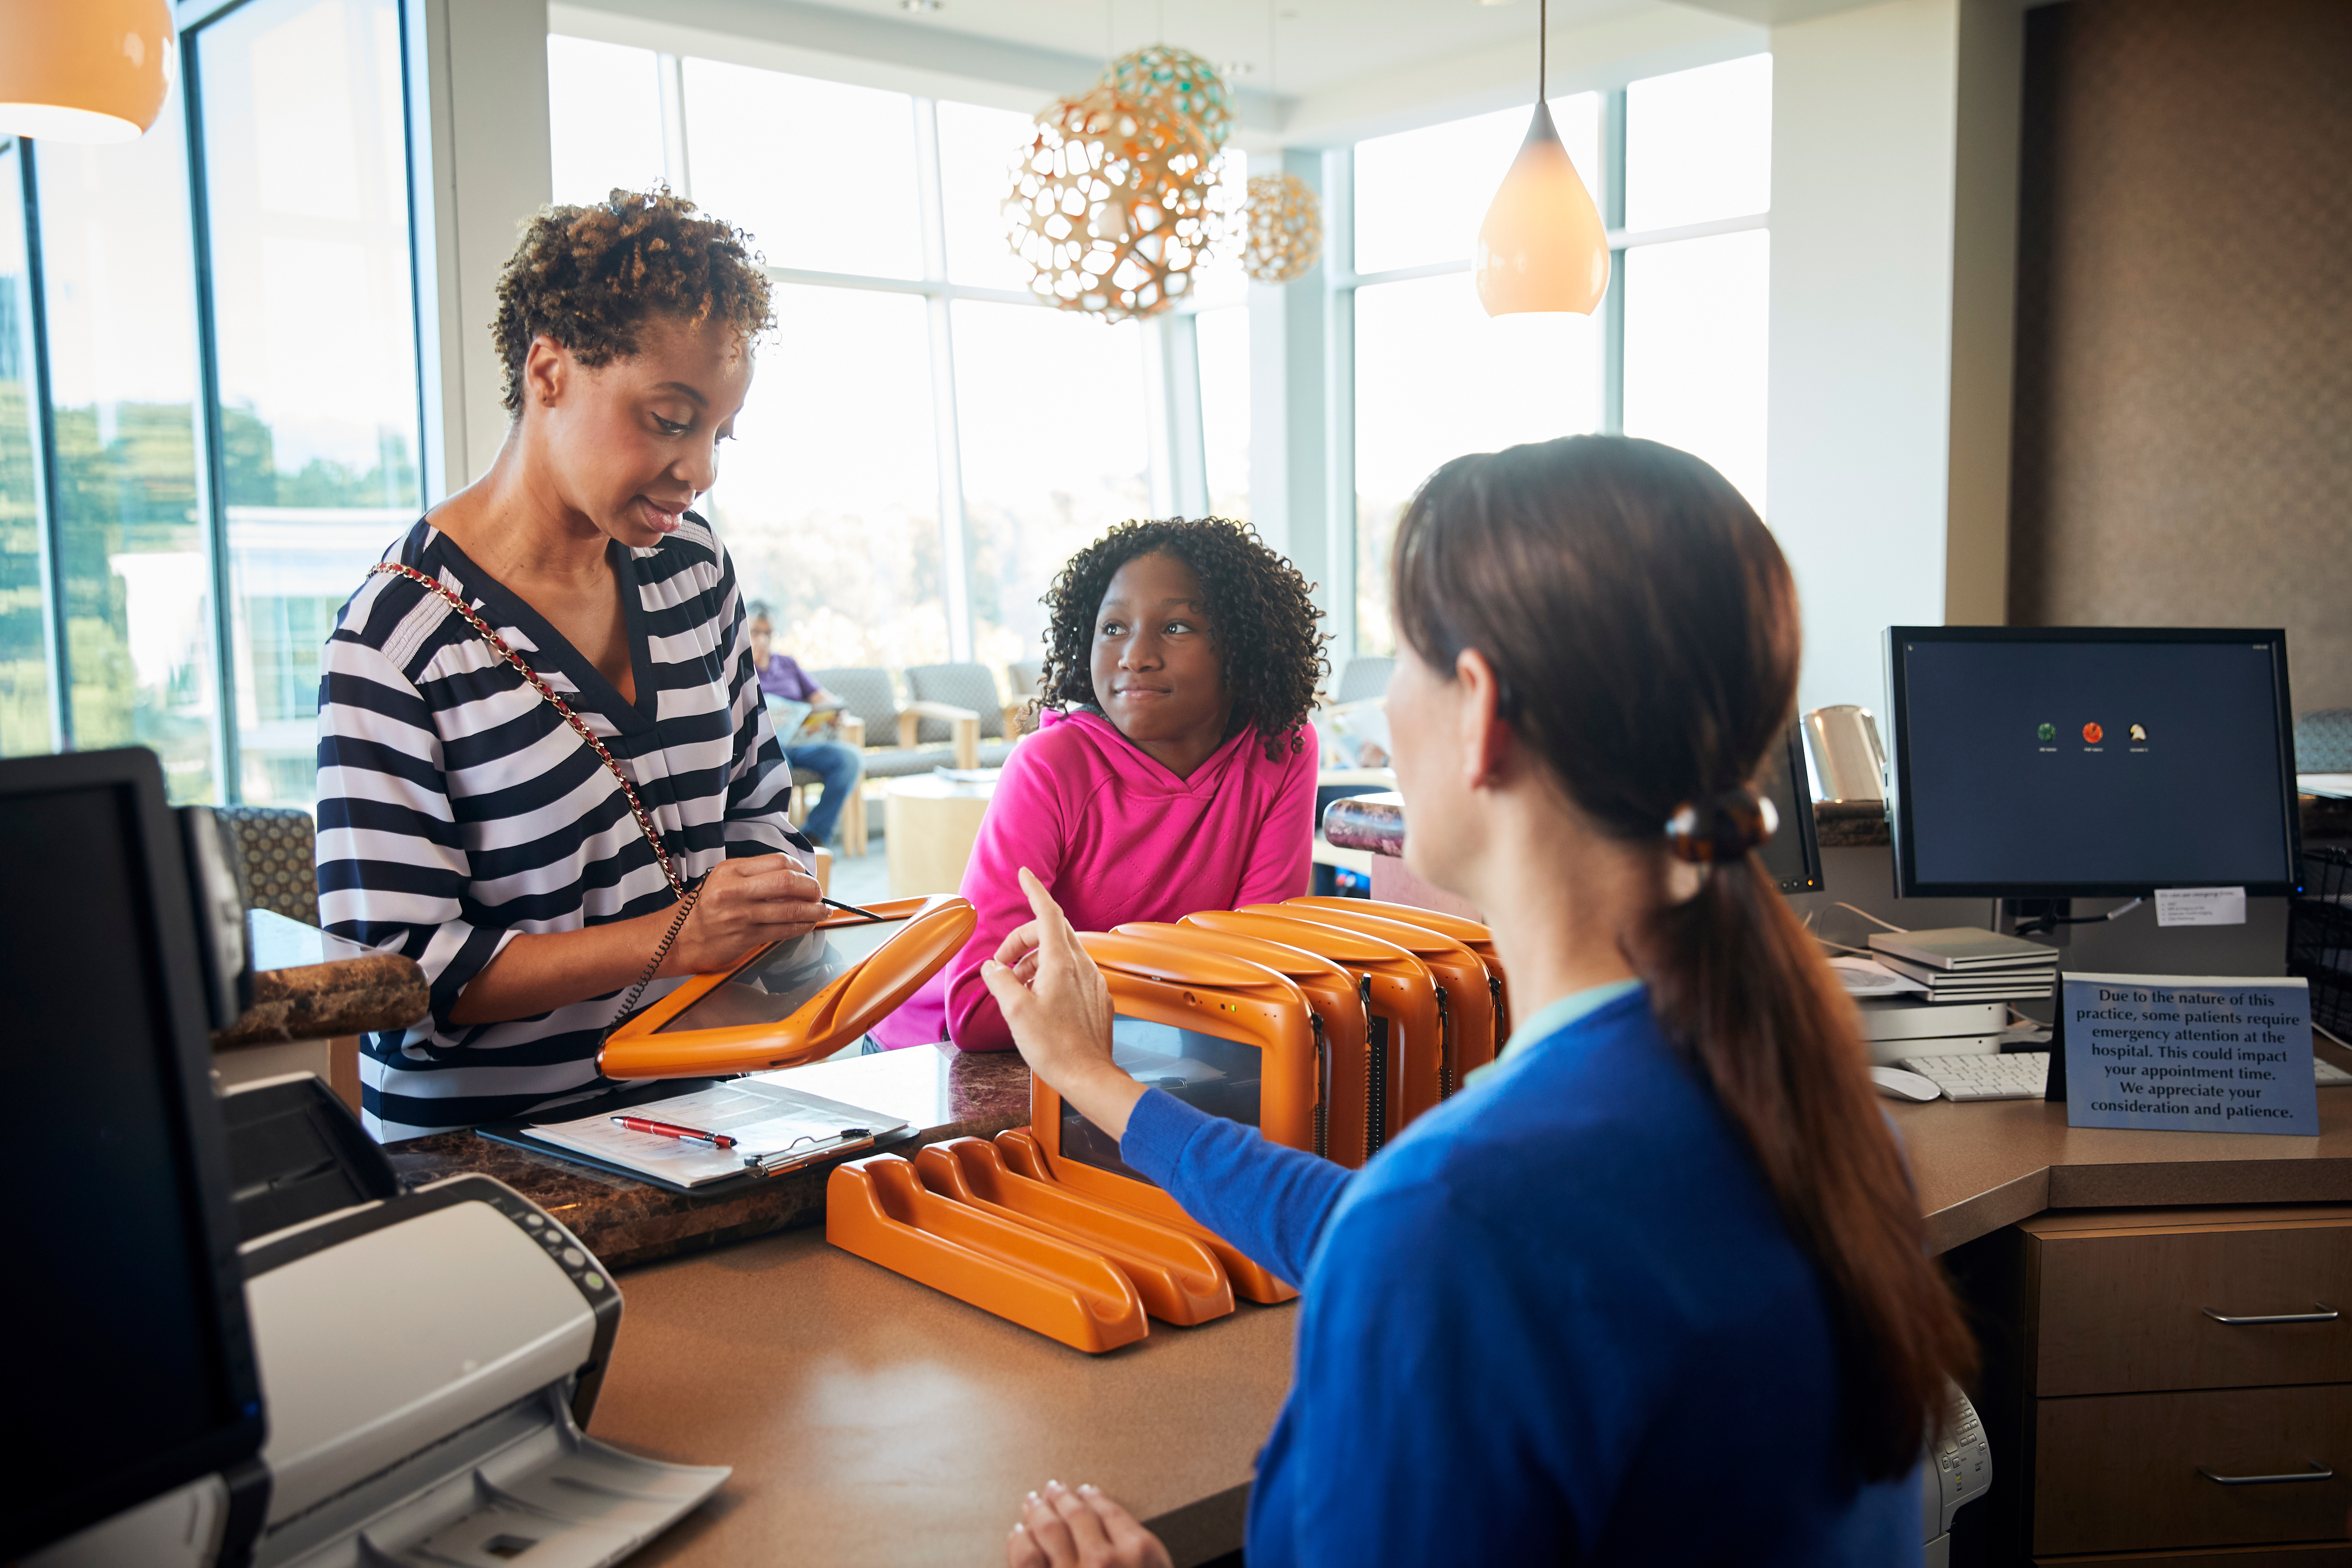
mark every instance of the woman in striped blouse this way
{"type": "Point", "coordinates": [462, 821]}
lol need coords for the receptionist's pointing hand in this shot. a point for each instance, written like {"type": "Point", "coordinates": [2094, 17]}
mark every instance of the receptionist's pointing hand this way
{"type": "Point", "coordinates": [1056, 1003]}
{"type": "Point", "coordinates": [1060, 1528]}
{"type": "Point", "coordinates": [745, 903]}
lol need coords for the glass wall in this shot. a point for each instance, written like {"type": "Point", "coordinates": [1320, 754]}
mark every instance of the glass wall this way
{"type": "Point", "coordinates": [123, 386]}
{"type": "Point", "coordinates": [24, 725]}
{"type": "Point", "coordinates": [306, 177]}
{"type": "Point", "coordinates": [1677, 353]}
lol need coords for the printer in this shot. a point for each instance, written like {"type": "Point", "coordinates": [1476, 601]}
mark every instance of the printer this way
{"type": "Point", "coordinates": [427, 1359]}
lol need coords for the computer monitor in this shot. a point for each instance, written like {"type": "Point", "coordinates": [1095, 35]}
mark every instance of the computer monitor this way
{"type": "Point", "coordinates": [2034, 762]}
{"type": "Point", "coordinates": [130, 1369]}
{"type": "Point", "coordinates": [1793, 854]}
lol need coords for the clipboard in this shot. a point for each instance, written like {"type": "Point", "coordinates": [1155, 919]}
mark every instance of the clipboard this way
{"type": "Point", "coordinates": [819, 1130]}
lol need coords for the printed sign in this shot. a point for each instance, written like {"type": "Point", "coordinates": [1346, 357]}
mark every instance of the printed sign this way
{"type": "Point", "coordinates": [2190, 1054]}
{"type": "Point", "coordinates": [2200, 906]}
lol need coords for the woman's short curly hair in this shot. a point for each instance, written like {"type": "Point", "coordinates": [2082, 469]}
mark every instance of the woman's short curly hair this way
{"type": "Point", "coordinates": [1259, 613]}
{"type": "Point", "coordinates": [587, 277]}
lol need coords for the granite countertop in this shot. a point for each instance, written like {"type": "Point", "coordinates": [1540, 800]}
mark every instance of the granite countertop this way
{"type": "Point", "coordinates": [309, 986]}
{"type": "Point", "coordinates": [939, 1092]}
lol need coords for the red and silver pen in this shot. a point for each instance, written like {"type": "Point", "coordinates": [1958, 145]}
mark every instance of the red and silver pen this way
{"type": "Point", "coordinates": [671, 1130]}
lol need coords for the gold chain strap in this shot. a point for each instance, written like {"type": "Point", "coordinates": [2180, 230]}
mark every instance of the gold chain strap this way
{"type": "Point", "coordinates": [637, 806]}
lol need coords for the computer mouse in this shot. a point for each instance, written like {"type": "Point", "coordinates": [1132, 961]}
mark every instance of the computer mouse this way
{"type": "Point", "coordinates": [1896, 1084]}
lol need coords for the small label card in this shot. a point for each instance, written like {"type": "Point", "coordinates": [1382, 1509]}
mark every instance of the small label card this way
{"type": "Point", "coordinates": [2200, 906]}
{"type": "Point", "coordinates": [2190, 1054]}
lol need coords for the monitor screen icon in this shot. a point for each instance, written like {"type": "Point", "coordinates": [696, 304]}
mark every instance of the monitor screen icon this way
{"type": "Point", "coordinates": [2140, 734]}
{"type": "Point", "coordinates": [2092, 734]}
{"type": "Point", "coordinates": [2047, 732]}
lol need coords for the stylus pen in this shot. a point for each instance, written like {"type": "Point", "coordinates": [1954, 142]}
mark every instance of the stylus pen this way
{"type": "Point", "coordinates": [853, 908]}
{"type": "Point", "coordinates": [671, 1130]}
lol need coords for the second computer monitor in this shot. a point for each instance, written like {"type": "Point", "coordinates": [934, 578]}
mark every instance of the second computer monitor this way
{"type": "Point", "coordinates": [1793, 854]}
{"type": "Point", "coordinates": [2072, 762]}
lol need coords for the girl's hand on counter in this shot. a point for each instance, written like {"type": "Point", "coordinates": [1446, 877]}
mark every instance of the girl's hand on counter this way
{"type": "Point", "coordinates": [746, 902]}
{"type": "Point", "coordinates": [1083, 1529]}
{"type": "Point", "coordinates": [1058, 1009]}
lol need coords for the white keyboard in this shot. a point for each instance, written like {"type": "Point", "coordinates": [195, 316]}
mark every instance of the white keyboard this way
{"type": "Point", "coordinates": [2013, 1075]}
{"type": "Point", "coordinates": [2024, 1075]}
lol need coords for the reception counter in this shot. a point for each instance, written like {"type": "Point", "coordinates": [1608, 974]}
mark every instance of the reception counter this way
{"type": "Point", "coordinates": [872, 1420]}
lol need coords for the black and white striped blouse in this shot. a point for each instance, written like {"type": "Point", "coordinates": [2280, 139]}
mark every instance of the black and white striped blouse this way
{"type": "Point", "coordinates": [456, 808]}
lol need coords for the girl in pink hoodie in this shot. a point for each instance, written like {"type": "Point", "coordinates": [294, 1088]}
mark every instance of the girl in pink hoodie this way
{"type": "Point", "coordinates": [1173, 769]}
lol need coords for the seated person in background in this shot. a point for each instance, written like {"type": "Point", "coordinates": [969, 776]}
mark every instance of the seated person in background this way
{"type": "Point", "coordinates": [832, 760]}
{"type": "Point", "coordinates": [1173, 769]}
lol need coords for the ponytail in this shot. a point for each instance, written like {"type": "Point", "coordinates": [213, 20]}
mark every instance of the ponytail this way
{"type": "Point", "coordinates": [1643, 626]}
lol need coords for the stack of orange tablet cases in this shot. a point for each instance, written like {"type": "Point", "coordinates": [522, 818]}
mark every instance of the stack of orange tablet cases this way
{"type": "Point", "coordinates": [1468, 932]}
{"type": "Point", "coordinates": [1338, 1007]}
{"type": "Point", "coordinates": [1467, 998]}
{"type": "Point", "coordinates": [1400, 996]}
{"type": "Point", "coordinates": [1037, 1231]}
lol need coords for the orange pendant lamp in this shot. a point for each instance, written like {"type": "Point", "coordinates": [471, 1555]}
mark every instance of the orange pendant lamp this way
{"type": "Point", "coordinates": [83, 70]}
{"type": "Point", "coordinates": [1543, 246]}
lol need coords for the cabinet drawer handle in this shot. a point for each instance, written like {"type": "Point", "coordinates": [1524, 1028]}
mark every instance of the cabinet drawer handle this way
{"type": "Point", "coordinates": [2319, 1472]}
{"type": "Point", "coordinates": [2326, 1314]}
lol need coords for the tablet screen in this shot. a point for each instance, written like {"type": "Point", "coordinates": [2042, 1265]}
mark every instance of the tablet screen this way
{"type": "Point", "coordinates": [771, 987]}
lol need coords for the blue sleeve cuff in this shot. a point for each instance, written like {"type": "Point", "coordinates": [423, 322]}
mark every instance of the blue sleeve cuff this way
{"type": "Point", "coordinates": [1156, 1131]}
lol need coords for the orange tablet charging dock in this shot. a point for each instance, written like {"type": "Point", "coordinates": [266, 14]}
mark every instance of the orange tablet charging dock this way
{"type": "Point", "coordinates": [1468, 999]}
{"type": "Point", "coordinates": [1336, 998]}
{"type": "Point", "coordinates": [1407, 1032]}
{"type": "Point", "coordinates": [1469, 933]}
{"type": "Point", "coordinates": [792, 1002]}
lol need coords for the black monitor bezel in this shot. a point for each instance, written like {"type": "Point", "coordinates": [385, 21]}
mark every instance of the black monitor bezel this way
{"type": "Point", "coordinates": [135, 776]}
{"type": "Point", "coordinates": [1808, 829]}
{"type": "Point", "coordinates": [1907, 883]}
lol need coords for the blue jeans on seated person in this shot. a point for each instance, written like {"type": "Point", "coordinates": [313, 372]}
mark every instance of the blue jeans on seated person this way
{"type": "Point", "coordinates": [838, 763]}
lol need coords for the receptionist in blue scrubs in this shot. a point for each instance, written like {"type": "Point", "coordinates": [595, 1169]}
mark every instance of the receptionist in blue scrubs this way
{"type": "Point", "coordinates": [1653, 1286]}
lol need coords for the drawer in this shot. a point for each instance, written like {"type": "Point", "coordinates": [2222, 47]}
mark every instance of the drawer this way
{"type": "Point", "coordinates": [2122, 1472]}
{"type": "Point", "coordinates": [2125, 1310]}
{"type": "Point", "coordinates": [2324, 1555]}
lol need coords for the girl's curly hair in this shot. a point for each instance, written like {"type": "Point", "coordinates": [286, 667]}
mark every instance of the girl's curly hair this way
{"type": "Point", "coordinates": [1259, 613]}
{"type": "Point", "coordinates": [588, 276]}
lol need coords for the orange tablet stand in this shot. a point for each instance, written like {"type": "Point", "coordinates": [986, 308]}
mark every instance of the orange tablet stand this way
{"type": "Point", "coordinates": [1467, 1000]}
{"type": "Point", "coordinates": [852, 1003]}
{"type": "Point", "coordinates": [1026, 1155]}
{"type": "Point", "coordinates": [1338, 1006]}
{"type": "Point", "coordinates": [1469, 933]}
{"type": "Point", "coordinates": [1179, 1279]}
{"type": "Point", "coordinates": [1400, 995]}
{"type": "Point", "coordinates": [876, 1208]}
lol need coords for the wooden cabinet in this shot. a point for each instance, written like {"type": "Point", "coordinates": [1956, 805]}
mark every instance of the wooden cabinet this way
{"type": "Point", "coordinates": [2168, 1387]}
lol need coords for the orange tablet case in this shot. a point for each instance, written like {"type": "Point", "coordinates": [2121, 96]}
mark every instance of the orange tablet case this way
{"type": "Point", "coordinates": [850, 1003]}
{"type": "Point", "coordinates": [1338, 1002]}
{"type": "Point", "coordinates": [1400, 996]}
{"type": "Point", "coordinates": [1469, 933]}
{"type": "Point", "coordinates": [1468, 1001]}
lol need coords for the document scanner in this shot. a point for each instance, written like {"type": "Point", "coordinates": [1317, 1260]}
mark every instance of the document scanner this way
{"type": "Point", "coordinates": [428, 1358]}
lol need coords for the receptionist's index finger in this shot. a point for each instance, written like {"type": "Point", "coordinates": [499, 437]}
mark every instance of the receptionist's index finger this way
{"type": "Point", "coordinates": [1051, 924]}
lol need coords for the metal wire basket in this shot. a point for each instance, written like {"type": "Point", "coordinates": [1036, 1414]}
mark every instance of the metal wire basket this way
{"type": "Point", "coordinates": [2319, 935]}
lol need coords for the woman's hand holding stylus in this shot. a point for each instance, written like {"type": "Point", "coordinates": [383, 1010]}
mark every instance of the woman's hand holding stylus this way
{"type": "Point", "coordinates": [1058, 1008]}
{"type": "Point", "coordinates": [746, 902]}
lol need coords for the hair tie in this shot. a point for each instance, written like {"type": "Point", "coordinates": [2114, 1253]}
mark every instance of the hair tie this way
{"type": "Point", "coordinates": [1724, 829]}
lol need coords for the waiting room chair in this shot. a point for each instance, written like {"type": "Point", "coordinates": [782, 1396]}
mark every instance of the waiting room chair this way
{"type": "Point", "coordinates": [948, 696]}
{"type": "Point", "coordinates": [277, 852]}
{"type": "Point", "coordinates": [1028, 677]}
{"type": "Point", "coordinates": [867, 696]}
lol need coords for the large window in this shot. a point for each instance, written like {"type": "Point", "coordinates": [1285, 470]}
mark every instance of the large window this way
{"type": "Point", "coordinates": [925, 444]}
{"type": "Point", "coordinates": [1676, 353]}
{"type": "Point", "coordinates": [305, 173]}
{"type": "Point", "coordinates": [25, 718]}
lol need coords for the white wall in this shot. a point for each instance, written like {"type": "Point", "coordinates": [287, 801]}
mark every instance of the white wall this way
{"type": "Point", "coordinates": [1872, 200]}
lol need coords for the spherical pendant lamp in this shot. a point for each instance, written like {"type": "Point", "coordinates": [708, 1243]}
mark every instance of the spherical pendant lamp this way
{"type": "Point", "coordinates": [1179, 81]}
{"type": "Point", "coordinates": [1110, 205]}
{"type": "Point", "coordinates": [83, 70]}
{"type": "Point", "coordinates": [1543, 246]}
{"type": "Point", "coordinates": [1281, 229]}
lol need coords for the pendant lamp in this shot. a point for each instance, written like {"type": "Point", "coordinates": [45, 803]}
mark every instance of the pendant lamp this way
{"type": "Point", "coordinates": [1543, 246]}
{"type": "Point", "coordinates": [83, 70]}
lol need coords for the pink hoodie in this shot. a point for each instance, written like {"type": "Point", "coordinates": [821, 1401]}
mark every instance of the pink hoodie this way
{"type": "Point", "coordinates": [1116, 836]}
